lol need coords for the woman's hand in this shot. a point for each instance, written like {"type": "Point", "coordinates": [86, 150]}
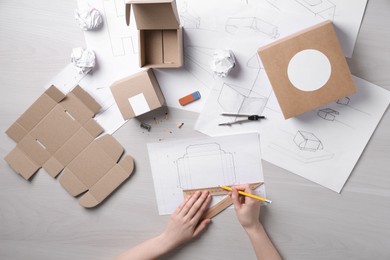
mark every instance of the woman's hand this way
{"type": "Point", "coordinates": [185, 223]}
{"type": "Point", "coordinates": [247, 209]}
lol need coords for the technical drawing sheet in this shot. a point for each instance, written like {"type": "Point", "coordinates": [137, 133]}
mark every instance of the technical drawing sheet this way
{"type": "Point", "coordinates": [325, 144]}
{"type": "Point", "coordinates": [322, 145]}
{"type": "Point", "coordinates": [203, 163]}
{"type": "Point", "coordinates": [254, 23]}
{"type": "Point", "coordinates": [346, 15]}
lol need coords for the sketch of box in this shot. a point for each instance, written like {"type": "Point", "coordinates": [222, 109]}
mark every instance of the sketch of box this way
{"type": "Point", "coordinates": [328, 114]}
{"type": "Point", "coordinates": [200, 161]}
{"type": "Point", "coordinates": [234, 24]}
{"type": "Point", "coordinates": [307, 141]}
{"type": "Point", "coordinates": [323, 8]}
{"type": "Point", "coordinates": [241, 100]}
{"type": "Point", "coordinates": [343, 101]}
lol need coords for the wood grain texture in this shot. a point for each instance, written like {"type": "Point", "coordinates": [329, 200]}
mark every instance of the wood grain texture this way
{"type": "Point", "coordinates": [39, 220]}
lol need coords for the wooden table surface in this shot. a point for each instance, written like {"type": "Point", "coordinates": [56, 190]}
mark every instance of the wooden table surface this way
{"type": "Point", "coordinates": [39, 220]}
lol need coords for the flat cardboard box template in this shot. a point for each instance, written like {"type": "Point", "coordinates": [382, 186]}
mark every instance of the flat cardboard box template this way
{"type": "Point", "coordinates": [307, 69]}
{"type": "Point", "coordinates": [137, 94]}
{"type": "Point", "coordinates": [160, 34]}
{"type": "Point", "coordinates": [55, 132]}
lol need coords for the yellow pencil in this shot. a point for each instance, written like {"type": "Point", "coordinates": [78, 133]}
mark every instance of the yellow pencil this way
{"type": "Point", "coordinates": [246, 194]}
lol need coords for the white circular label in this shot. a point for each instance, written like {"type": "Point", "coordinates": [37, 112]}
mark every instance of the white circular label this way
{"type": "Point", "coordinates": [309, 70]}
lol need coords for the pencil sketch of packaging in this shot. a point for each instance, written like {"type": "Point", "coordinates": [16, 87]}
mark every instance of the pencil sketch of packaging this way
{"type": "Point", "coordinates": [205, 161]}
{"type": "Point", "coordinates": [343, 101]}
{"type": "Point", "coordinates": [307, 141]}
{"type": "Point", "coordinates": [236, 99]}
{"type": "Point", "coordinates": [324, 8]}
{"type": "Point", "coordinates": [233, 25]}
{"type": "Point", "coordinates": [328, 114]}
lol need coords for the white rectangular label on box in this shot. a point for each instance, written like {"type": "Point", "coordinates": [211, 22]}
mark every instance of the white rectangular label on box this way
{"type": "Point", "coordinates": [139, 104]}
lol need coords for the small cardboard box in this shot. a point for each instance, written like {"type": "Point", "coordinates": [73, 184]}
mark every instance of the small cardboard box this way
{"type": "Point", "coordinates": [58, 132]}
{"type": "Point", "coordinates": [160, 34]}
{"type": "Point", "coordinates": [137, 94]}
{"type": "Point", "coordinates": [307, 69]}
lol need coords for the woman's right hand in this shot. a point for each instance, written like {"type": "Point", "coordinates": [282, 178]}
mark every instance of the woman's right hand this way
{"type": "Point", "coordinates": [247, 209]}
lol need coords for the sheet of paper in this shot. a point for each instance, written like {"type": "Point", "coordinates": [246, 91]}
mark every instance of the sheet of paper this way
{"type": "Point", "coordinates": [346, 15]}
{"type": "Point", "coordinates": [206, 30]}
{"type": "Point", "coordinates": [322, 145]}
{"type": "Point", "coordinates": [202, 163]}
{"type": "Point", "coordinates": [248, 90]}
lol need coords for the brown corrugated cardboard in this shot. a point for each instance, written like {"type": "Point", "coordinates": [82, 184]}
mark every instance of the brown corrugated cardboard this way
{"type": "Point", "coordinates": [160, 34]}
{"type": "Point", "coordinates": [58, 130]}
{"type": "Point", "coordinates": [276, 59]}
{"type": "Point", "coordinates": [97, 171]}
{"type": "Point", "coordinates": [137, 94]}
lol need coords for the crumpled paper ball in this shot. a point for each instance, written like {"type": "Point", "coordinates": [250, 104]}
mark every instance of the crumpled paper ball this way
{"type": "Point", "coordinates": [223, 62]}
{"type": "Point", "coordinates": [83, 59]}
{"type": "Point", "coordinates": [89, 18]}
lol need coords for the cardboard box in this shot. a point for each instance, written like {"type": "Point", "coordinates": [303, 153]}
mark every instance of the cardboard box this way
{"type": "Point", "coordinates": [58, 132]}
{"type": "Point", "coordinates": [137, 94]}
{"type": "Point", "coordinates": [160, 34]}
{"type": "Point", "coordinates": [307, 69]}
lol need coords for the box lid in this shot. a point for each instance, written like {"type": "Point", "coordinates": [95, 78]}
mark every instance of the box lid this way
{"type": "Point", "coordinates": [153, 14]}
{"type": "Point", "coordinates": [293, 62]}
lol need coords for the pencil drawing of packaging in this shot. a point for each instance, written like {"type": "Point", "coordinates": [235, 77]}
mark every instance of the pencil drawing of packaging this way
{"type": "Point", "coordinates": [202, 161]}
{"type": "Point", "coordinates": [236, 99]}
{"type": "Point", "coordinates": [234, 24]}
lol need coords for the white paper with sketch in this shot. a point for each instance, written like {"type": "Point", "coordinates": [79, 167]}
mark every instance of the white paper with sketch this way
{"type": "Point", "coordinates": [346, 15]}
{"type": "Point", "coordinates": [322, 145]}
{"type": "Point", "coordinates": [202, 163]}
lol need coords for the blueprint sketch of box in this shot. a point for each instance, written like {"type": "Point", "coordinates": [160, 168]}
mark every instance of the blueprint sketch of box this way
{"type": "Point", "coordinates": [205, 162]}
{"type": "Point", "coordinates": [191, 165]}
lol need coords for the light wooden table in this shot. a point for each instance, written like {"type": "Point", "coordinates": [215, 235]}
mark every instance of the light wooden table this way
{"type": "Point", "coordinates": [39, 220]}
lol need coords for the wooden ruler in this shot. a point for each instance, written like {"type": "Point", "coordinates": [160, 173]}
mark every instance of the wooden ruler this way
{"type": "Point", "coordinates": [218, 208]}
{"type": "Point", "coordinates": [223, 204]}
{"type": "Point", "coordinates": [214, 191]}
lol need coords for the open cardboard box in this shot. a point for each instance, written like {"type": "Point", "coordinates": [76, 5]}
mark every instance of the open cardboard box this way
{"type": "Point", "coordinates": [58, 133]}
{"type": "Point", "coordinates": [137, 94]}
{"type": "Point", "coordinates": [160, 34]}
{"type": "Point", "coordinates": [307, 69]}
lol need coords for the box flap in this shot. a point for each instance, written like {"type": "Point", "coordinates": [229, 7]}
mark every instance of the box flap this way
{"type": "Point", "coordinates": [71, 183]}
{"type": "Point", "coordinates": [87, 99]}
{"type": "Point", "coordinates": [104, 187]}
{"type": "Point", "coordinates": [55, 94]}
{"type": "Point", "coordinates": [111, 146]}
{"type": "Point", "coordinates": [21, 163]}
{"type": "Point", "coordinates": [95, 170]}
{"type": "Point", "coordinates": [154, 14]}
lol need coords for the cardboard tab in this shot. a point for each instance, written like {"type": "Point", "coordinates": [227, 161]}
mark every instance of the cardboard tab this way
{"type": "Point", "coordinates": [86, 99]}
{"type": "Point", "coordinates": [55, 94]}
{"type": "Point", "coordinates": [153, 15]}
{"type": "Point", "coordinates": [21, 163]}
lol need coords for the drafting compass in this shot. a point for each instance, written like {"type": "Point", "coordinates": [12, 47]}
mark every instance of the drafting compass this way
{"type": "Point", "coordinates": [249, 118]}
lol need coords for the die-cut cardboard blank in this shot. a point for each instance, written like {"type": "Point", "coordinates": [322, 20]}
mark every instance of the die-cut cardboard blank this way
{"type": "Point", "coordinates": [277, 56]}
{"type": "Point", "coordinates": [58, 133]}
